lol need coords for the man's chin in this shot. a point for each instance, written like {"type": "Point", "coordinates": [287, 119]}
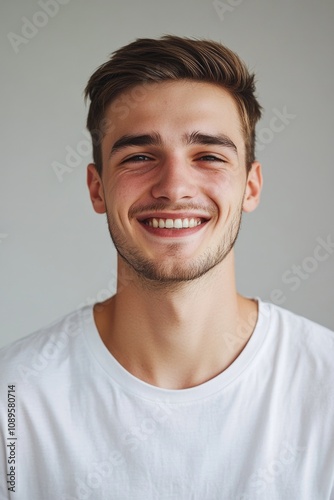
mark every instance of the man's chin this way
{"type": "Point", "coordinates": [164, 274]}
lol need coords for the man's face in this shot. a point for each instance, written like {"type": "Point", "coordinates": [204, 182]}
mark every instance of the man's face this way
{"type": "Point", "coordinates": [174, 179]}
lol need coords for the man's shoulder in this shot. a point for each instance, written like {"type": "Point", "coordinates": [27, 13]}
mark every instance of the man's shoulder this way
{"type": "Point", "coordinates": [45, 347]}
{"type": "Point", "coordinates": [299, 355]}
{"type": "Point", "coordinates": [292, 320]}
{"type": "Point", "coordinates": [291, 323]}
{"type": "Point", "coordinates": [300, 339]}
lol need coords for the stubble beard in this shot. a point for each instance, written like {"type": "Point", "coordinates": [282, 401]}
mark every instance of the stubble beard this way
{"type": "Point", "coordinates": [158, 273]}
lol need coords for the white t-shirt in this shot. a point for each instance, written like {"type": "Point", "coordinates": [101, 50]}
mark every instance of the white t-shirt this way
{"type": "Point", "coordinates": [85, 428]}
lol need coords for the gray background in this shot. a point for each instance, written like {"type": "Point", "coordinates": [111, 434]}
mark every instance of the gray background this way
{"type": "Point", "coordinates": [55, 252]}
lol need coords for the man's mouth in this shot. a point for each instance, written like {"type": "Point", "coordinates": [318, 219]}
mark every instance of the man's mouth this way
{"type": "Point", "coordinates": [184, 223]}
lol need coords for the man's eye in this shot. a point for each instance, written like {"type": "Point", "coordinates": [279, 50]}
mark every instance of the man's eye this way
{"type": "Point", "coordinates": [211, 158]}
{"type": "Point", "coordinates": [137, 159]}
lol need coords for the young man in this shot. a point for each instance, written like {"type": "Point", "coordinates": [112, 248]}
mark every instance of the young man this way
{"type": "Point", "coordinates": [177, 387]}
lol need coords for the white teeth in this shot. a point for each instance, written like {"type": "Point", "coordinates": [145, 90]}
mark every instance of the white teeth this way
{"type": "Point", "coordinates": [174, 223]}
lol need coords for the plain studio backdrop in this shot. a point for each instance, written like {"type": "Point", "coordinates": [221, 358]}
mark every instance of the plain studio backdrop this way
{"type": "Point", "coordinates": [56, 253]}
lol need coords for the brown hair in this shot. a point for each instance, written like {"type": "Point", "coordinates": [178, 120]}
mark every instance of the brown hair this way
{"type": "Point", "coordinates": [171, 58]}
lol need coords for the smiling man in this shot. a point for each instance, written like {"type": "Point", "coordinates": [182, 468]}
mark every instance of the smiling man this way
{"type": "Point", "coordinates": [174, 183]}
{"type": "Point", "coordinates": [177, 387]}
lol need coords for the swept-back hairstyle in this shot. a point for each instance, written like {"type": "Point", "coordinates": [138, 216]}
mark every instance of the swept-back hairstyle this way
{"type": "Point", "coordinates": [170, 57]}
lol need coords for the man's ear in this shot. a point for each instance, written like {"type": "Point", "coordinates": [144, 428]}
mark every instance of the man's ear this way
{"type": "Point", "coordinates": [95, 187]}
{"type": "Point", "coordinates": [253, 188]}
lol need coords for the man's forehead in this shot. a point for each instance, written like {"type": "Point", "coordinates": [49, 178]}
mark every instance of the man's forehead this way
{"type": "Point", "coordinates": [141, 95]}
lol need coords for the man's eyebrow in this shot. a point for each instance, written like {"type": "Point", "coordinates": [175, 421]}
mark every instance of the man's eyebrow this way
{"type": "Point", "coordinates": [208, 139]}
{"type": "Point", "coordinates": [154, 139]}
{"type": "Point", "coordinates": [136, 140]}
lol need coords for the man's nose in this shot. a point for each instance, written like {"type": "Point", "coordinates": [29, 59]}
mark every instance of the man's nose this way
{"type": "Point", "coordinates": [175, 181]}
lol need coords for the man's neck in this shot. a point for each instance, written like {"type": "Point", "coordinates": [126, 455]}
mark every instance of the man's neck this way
{"type": "Point", "coordinates": [181, 336]}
